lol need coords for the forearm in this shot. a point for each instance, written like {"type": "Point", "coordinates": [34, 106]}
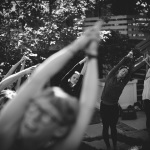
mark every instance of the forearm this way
{"type": "Point", "coordinates": [83, 60]}
{"type": "Point", "coordinates": [11, 79]}
{"type": "Point", "coordinates": [70, 73]}
{"type": "Point", "coordinates": [84, 68]}
{"type": "Point", "coordinates": [53, 64]}
{"type": "Point", "coordinates": [88, 99]}
{"type": "Point", "coordinates": [19, 80]}
{"type": "Point", "coordinates": [138, 65]}
{"type": "Point", "coordinates": [87, 104]}
{"type": "Point", "coordinates": [13, 68]}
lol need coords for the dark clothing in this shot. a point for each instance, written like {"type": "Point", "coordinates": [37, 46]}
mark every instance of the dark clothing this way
{"type": "Point", "coordinates": [147, 112]}
{"type": "Point", "coordinates": [65, 84]}
{"type": "Point", "coordinates": [109, 121]}
{"type": "Point", "coordinates": [109, 109]}
{"type": "Point", "coordinates": [114, 88]}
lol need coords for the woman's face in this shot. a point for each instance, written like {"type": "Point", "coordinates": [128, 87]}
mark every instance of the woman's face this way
{"type": "Point", "coordinates": [74, 78]}
{"type": "Point", "coordinates": [122, 73]}
{"type": "Point", "coordinates": [40, 120]}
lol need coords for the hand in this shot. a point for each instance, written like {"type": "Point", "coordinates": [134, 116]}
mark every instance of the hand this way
{"type": "Point", "coordinates": [130, 54]}
{"type": "Point", "coordinates": [24, 58]}
{"type": "Point", "coordinates": [91, 34]}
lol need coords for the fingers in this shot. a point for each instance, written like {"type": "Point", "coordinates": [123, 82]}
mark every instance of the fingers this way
{"type": "Point", "coordinates": [94, 32]}
{"type": "Point", "coordinates": [98, 25]}
{"type": "Point", "coordinates": [90, 34]}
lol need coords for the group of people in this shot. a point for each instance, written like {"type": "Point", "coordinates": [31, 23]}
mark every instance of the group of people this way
{"type": "Point", "coordinates": [44, 117]}
{"type": "Point", "coordinates": [38, 117]}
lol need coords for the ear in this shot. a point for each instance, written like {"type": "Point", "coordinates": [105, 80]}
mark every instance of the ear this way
{"type": "Point", "coordinates": [61, 131]}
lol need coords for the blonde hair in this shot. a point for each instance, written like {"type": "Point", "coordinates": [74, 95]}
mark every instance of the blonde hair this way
{"type": "Point", "coordinates": [66, 105]}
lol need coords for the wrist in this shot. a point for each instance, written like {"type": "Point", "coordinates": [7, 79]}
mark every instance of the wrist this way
{"type": "Point", "coordinates": [91, 56]}
{"type": "Point", "coordinates": [74, 47]}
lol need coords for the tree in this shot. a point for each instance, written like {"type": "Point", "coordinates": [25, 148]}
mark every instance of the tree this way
{"type": "Point", "coordinates": [143, 7]}
{"type": "Point", "coordinates": [112, 50]}
{"type": "Point", "coordinates": [36, 27]}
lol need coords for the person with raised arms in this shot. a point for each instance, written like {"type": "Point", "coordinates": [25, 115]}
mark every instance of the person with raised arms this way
{"type": "Point", "coordinates": [48, 118]}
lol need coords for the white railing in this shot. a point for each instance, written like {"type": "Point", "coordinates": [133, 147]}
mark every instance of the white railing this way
{"type": "Point", "coordinates": [125, 24]}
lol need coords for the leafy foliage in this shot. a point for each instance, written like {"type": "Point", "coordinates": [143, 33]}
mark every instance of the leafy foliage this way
{"type": "Point", "coordinates": [113, 49]}
{"type": "Point", "coordinates": [39, 28]}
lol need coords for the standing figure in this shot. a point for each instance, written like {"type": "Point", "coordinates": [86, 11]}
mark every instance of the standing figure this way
{"type": "Point", "coordinates": [146, 99]}
{"type": "Point", "coordinates": [116, 80]}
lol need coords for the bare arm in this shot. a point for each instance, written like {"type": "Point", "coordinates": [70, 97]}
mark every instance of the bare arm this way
{"type": "Point", "coordinates": [19, 80]}
{"type": "Point", "coordinates": [64, 80]}
{"type": "Point", "coordinates": [138, 65]}
{"type": "Point", "coordinates": [87, 104]}
{"type": "Point", "coordinates": [115, 69]}
{"type": "Point", "coordinates": [84, 66]}
{"type": "Point", "coordinates": [12, 78]}
{"type": "Point", "coordinates": [13, 68]}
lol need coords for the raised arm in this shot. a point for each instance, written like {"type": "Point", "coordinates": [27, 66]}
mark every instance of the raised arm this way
{"type": "Point", "coordinates": [138, 65]}
{"type": "Point", "coordinates": [35, 83]}
{"type": "Point", "coordinates": [84, 66]}
{"type": "Point", "coordinates": [19, 80]}
{"type": "Point", "coordinates": [87, 101]}
{"type": "Point", "coordinates": [78, 66]}
{"type": "Point", "coordinates": [14, 77]}
{"type": "Point", "coordinates": [69, 74]}
{"type": "Point", "coordinates": [13, 68]}
{"type": "Point", "coordinates": [80, 81]}
{"type": "Point", "coordinates": [115, 69]}
{"type": "Point", "coordinates": [83, 60]}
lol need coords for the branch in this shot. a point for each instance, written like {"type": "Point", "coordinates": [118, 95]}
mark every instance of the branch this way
{"type": "Point", "coordinates": [17, 3]}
